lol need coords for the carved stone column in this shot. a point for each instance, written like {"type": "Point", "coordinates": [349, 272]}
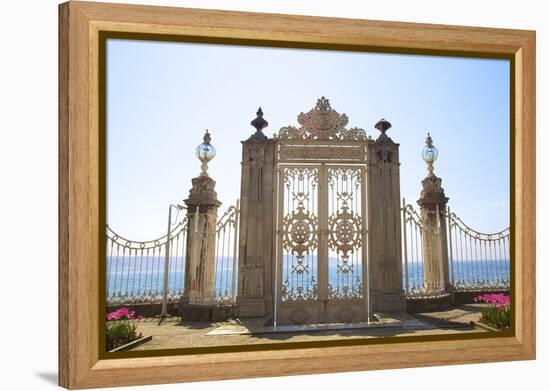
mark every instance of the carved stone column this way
{"type": "Point", "coordinates": [432, 204]}
{"type": "Point", "coordinates": [385, 275]}
{"type": "Point", "coordinates": [255, 292]}
{"type": "Point", "coordinates": [198, 301]}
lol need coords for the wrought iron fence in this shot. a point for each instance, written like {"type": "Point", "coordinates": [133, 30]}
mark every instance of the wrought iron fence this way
{"type": "Point", "coordinates": [478, 261]}
{"type": "Point", "coordinates": [475, 260]}
{"type": "Point", "coordinates": [135, 269]}
{"type": "Point", "coordinates": [227, 239]}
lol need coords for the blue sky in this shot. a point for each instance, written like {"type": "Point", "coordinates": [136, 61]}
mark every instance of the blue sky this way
{"type": "Point", "coordinates": [162, 96]}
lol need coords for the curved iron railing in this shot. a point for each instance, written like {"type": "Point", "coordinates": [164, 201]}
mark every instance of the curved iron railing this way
{"type": "Point", "coordinates": [473, 260]}
{"type": "Point", "coordinates": [478, 261]}
{"type": "Point", "coordinates": [135, 269]}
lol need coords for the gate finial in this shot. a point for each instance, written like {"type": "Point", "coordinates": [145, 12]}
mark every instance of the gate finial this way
{"type": "Point", "coordinates": [259, 123]}
{"type": "Point", "coordinates": [383, 126]}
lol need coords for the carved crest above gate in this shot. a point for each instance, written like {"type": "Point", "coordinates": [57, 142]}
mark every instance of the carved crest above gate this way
{"type": "Point", "coordinates": [322, 123]}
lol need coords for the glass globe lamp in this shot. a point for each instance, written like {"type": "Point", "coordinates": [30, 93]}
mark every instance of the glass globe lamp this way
{"type": "Point", "coordinates": [429, 153]}
{"type": "Point", "coordinates": [205, 152]}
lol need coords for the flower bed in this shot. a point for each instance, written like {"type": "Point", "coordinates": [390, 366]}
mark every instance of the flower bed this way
{"type": "Point", "coordinates": [121, 328]}
{"type": "Point", "coordinates": [497, 313]}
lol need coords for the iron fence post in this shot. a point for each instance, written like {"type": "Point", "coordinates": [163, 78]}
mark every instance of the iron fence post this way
{"type": "Point", "coordinates": [440, 248]}
{"type": "Point", "coordinates": [405, 247]}
{"type": "Point", "coordinates": [450, 241]}
{"type": "Point", "coordinates": [164, 311]}
{"type": "Point", "coordinates": [235, 246]}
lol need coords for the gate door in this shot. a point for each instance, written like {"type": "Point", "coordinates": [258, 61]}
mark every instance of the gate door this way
{"type": "Point", "coordinates": [321, 255]}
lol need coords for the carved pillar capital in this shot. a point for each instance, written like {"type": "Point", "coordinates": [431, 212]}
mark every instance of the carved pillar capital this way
{"type": "Point", "coordinates": [202, 194]}
{"type": "Point", "coordinates": [432, 194]}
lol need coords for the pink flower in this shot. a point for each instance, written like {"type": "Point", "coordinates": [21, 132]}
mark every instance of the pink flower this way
{"type": "Point", "coordinates": [497, 300]}
{"type": "Point", "coordinates": [120, 313]}
{"type": "Point", "coordinates": [140, 317]}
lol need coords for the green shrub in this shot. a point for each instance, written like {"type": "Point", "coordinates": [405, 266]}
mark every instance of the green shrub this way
{"type": "Point", "coordinates": [121, 328]}
{"type": "Point", "coordinates": [497, 313]}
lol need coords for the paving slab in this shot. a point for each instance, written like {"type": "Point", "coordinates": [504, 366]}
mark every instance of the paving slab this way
{"type": "Point", "coordinates": [401, 320]}
{"type": "Point", "coordinates": [173, 333]}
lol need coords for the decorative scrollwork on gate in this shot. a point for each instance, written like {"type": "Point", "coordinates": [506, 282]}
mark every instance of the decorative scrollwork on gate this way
{"type": "Point", "coordinates": [299, 234]}
{"type": "Point", "coordinates": [300, 174]}
{"type": "Point", "coordinates": [300, 231]}
{"type": "Point", "coordinates": [344, 231]}
{"type": "Point", "coordinates": [322, 123]}
{"type": "Point", "coordinates": [345, 237]}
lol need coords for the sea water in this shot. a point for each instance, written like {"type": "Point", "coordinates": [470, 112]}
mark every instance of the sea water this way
{"type": "Point", "coordinates": [144, 276]}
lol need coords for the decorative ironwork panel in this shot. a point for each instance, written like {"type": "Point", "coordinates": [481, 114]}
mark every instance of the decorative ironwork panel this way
{"type": "Point", "coordinates": [345, 233]}
{"type": "Point", "coordinates": [322, 152]}
{"type": "Point", "coordinates": [299, 234]}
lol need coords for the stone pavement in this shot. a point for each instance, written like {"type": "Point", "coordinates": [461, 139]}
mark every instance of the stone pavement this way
{"type": "Point", "coordinates": [173, 333]}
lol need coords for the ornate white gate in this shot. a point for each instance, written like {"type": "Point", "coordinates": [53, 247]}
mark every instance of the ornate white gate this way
{"type": "Point", "coordinates": [321, 252]}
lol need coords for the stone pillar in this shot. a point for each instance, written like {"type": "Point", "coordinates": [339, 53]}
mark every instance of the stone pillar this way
{"type": "Point", "coordinates": [432, 204]}
{"type": "Point", "coordinates": [385, 274]}
{"type": "Point", "coordinates": [198, 301]}
{"type": "Point", "coordinates": [256, 268]}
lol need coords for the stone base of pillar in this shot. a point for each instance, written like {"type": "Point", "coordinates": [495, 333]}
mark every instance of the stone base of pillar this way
{"type": "Point", "coordinates": [205, 312]}
{"type": "Point", "coordinates": [268, 305]}
{"type": "Point", "coordinates": [389, 302]}
{"type": "Point", "coordinates": [251, 308]}
{"type": "Point", "coordinates": [422, 304]}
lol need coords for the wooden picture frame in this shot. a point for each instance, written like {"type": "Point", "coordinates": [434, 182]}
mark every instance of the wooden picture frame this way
{"type": "Point", "coordinates": [81, 162]}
